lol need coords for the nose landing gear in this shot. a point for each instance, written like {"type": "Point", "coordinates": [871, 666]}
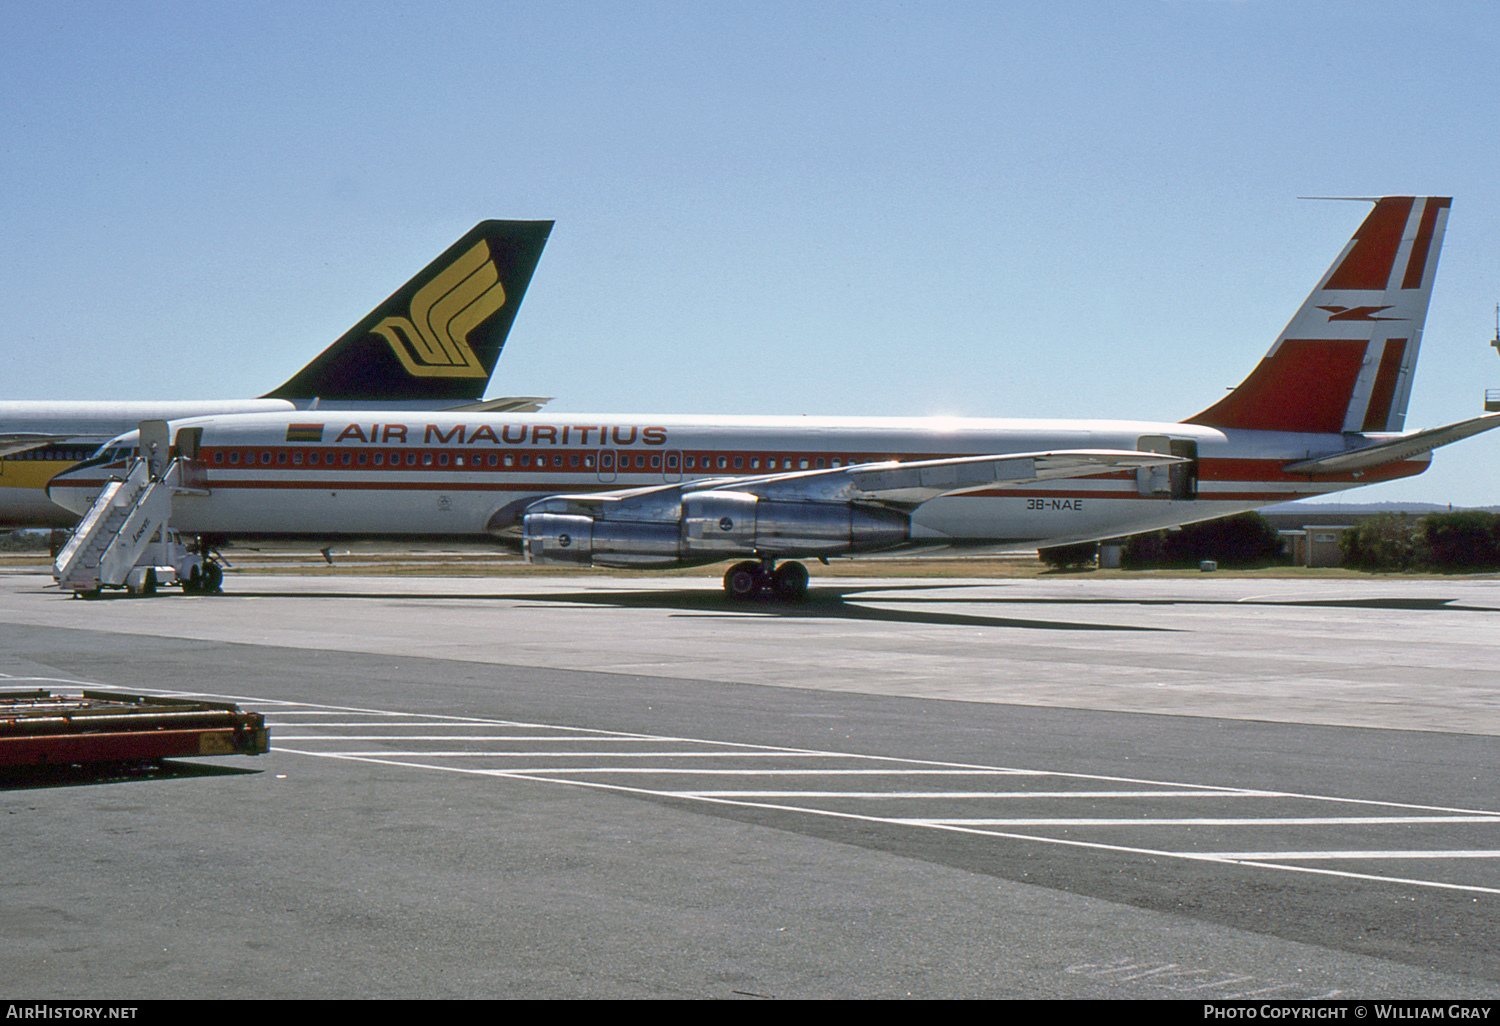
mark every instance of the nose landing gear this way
{"type": "Point", "coordinates": [744, 581]}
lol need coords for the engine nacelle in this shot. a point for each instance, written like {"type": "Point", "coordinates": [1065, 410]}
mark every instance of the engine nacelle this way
{"type": "Point", "coordinates": [710, 526]}
{"type": "Point", "coordinates": [728, 524]}
{"type": "Point", "coordinates": [576, 540]}
{"type": "Point", "coordinates": [558, 538]}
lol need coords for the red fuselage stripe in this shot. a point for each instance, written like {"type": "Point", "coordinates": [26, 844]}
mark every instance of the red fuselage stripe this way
{"type": "Point", "coordinates": [439, 475]}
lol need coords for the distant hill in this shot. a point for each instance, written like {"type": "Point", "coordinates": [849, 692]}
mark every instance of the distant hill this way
{"type": "Point", "coordinates": [1365, 509]}
{"type": "Point", "coordinates": [1294, 516]}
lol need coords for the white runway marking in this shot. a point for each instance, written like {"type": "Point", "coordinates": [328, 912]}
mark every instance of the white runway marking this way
{"type": "Point", "coordinates": [1186, 822]}
{"type": "Point", "coordinates": [1320, 826]}
{"type": "Point", "coordinates": [1194, 793]}
{"type": "Point", "coordinates": [1272, 856]}
{"type": "Point", "coordinates": [509, 753]}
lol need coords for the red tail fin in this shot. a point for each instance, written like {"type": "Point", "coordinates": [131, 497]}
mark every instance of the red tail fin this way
{"type": "Point", "coordinates": [1345, 361]}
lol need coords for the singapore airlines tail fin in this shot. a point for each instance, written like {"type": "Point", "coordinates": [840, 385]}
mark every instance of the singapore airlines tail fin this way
{"type": "Point", "coordinates": [1345, 362]}
{"type": "Point", "coordinates": [437, 338]}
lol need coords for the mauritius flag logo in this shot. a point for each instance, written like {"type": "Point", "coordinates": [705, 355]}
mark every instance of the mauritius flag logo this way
{"type": "Point", "coordinates": [304, 432]}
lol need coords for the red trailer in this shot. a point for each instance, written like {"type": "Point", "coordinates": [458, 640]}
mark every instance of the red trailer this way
{"type": "Point", "coordinates": [42, 728]}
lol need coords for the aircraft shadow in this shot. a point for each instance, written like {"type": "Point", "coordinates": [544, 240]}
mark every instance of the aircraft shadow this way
{"type": "Point", "coordinates": [1410, 604]}
{"type": "Point", "coordinates": [867, 602]}
{"type": "Point", "coordinates": [830, 602]}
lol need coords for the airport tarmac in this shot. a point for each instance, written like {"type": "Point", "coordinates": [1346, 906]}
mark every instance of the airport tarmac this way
{"type": "Point", "coordinates": [1200, 788]}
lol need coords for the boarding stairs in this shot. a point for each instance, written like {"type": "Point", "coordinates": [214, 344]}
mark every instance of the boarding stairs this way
{"type": "Point", "coordinates": [125, 520]}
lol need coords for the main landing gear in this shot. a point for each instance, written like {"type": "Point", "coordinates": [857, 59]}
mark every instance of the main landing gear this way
{"type": "Point", "coordinates": [744, 581]}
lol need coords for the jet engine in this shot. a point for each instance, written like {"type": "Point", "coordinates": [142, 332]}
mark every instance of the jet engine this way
{"type": "Point", "coordinates": [581, 540]}
{"type": "Point", "coordinates": [706, 527]}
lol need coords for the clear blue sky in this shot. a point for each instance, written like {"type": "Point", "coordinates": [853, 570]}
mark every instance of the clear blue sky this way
{"type": "Point", "coordinates": [984, 209]}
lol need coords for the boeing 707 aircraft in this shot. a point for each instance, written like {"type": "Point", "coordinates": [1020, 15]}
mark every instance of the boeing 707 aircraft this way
{"type": "Point", "coordinates": [431, 345]}
{"type": "Point", "coordinates": [1323, 411]}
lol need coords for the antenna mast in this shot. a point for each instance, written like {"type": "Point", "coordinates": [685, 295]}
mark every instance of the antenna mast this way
{"type": "Point", "coordinates": [1492, 395]}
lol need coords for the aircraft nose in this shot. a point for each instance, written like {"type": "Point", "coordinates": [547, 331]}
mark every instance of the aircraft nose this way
{"type": "Point", "coordinates": [59, 483]}
{"type": "Point", "coordinates": [69, 489]}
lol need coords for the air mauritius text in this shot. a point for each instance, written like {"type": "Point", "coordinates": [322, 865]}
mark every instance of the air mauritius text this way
{"type": "Point", "coordinates": [509, 434]}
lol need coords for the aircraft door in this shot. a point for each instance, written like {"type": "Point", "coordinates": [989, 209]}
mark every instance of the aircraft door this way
{"type": "Point", "coordinates": [1179, 481]}
{"type": "Point", "coordinates": [192, 472]}
{"type": "Point", "coordinates": [606, 464]}
{"type": "Point", "coordinates": [156, 443]}
{"type": "Point", "coordinates": [1184, 476]}
{"type": "Point", "coordinates": [1154, 482]}
{"type": "Point", "coordinates": [189, 441]}
{"type": "Point", "coordinates": [672, 465]}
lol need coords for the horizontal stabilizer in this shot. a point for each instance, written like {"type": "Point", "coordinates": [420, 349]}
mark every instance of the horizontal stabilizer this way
{"type": "Point", "coordinates": [23, 441]}
{"type": "Point", "coordinates": [506, 404]}
{"type": "Point", "coordinates": [1403, 448]}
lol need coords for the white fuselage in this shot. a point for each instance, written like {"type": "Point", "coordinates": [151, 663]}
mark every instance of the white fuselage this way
{"type": "Point", "coordinates": [326, 476]}
{"type": "Point", "coordinates": [75, 430]}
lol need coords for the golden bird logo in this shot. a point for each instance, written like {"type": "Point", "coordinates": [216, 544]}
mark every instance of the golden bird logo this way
{"type": "Point", "coordinates": [432, 343]}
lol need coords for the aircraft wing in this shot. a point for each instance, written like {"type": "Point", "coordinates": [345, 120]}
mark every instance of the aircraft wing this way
{"type": "Point", "coordinates": [911, 484]}
{"type": "Point", "coordinates": [1403, 448]}
{"type": "Point", "coordinates": [22, 441]}
{"type": "Point", "coordinates": [904, 485]}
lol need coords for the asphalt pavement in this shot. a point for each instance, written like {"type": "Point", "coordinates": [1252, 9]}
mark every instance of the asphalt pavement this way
{"type": "Point", "coordinates": [592, 787]}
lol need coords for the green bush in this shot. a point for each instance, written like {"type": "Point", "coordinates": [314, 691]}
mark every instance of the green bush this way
{"type": "Point", "coordinates": [1070, 557]}
{"type": "Point", "coordinates": [1384, 542]}
{"type": "Point", "coordinates": [1465, 539]}
{"type": "Point", "coordinates": [1246, 539]}
{"type": "Point", "coordinates": [23, 541]}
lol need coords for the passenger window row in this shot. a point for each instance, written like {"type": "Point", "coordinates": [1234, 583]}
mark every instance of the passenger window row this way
{"type": "Point", "coordinates": [49, 453]}
{"type": "Point", "coordinates": [607, 459]}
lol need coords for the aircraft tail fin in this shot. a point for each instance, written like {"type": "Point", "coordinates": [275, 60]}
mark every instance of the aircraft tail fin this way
{"type": "Point", "coordinates": [1345, 361]}
{"type": "Point", "coordinates": [436, 339]}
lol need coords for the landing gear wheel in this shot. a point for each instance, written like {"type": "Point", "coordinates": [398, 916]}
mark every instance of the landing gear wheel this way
{"type": "Point", "coordinates": [213, 576]}
{"type": "Point", "coordinates": [743, 581]}
{"type": "Point", "coordinates": [790, 582]}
